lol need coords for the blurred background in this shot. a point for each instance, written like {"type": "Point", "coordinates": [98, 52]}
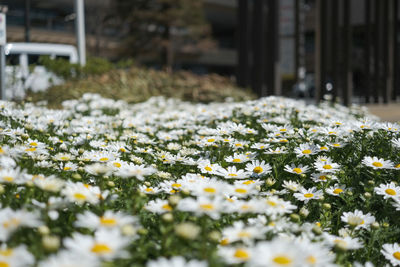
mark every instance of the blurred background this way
{"type": "Point", "coordinates": [340, 50]}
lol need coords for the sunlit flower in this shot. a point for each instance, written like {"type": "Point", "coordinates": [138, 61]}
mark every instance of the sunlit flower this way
{"type": "Point", "coordinates": [392, 253]}
{"type": "Point", "coordinates": [388, 191]}
{"type": "Point", "coordinates": [377, 163]}
{"type": "Point", "coordinates": [357, 219]}
{"type": "Point", "coordinates": [308, 194]}
{"type": "Point", "coordinates": [105, 244]}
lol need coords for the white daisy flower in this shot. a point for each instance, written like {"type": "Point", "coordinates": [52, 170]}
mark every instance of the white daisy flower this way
{"type": "Point", "coordinates": [308, 194]}
{"type": "Point", "coordinates": [258, 168]}
{"type": "Point", "coordinates": [237, 158]}
{"type": "Point", "coordinates": [278, 252]}
{"type": "Point", "coordinates": [377, 163]}
{"type": "Point", "coordinates": [232, 173]}
{"type": "Point", "coordinates": [66, 258]}
{"type": "Point", "coordinates": [388, 191]}
{"type": "Point", "coordinates": [235, 255]}
{"type": "Point", "coordinates": [106, 244]}
{"type": "Point", "coordinates": [326, 166]}
{"type": "Point", "coordinates": [358, 219]}
{"type": "Point", "coordinates": [297, 169]}
{"type": "Point", "coordinates": [305, 150]}
{"type": "Point", "coordinates": [392, 253]}
{"type": "Point", "coordinates": [108, 220]}
{"type": "Point", "coordinates": [336, 190]}
{"type": "Point", "coordinates": [17, 256]}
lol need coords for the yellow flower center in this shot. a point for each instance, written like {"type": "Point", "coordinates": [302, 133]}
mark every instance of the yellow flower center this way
{"type": "Point", "coordinates": [397, 255]}
{"type": "Point", "coordinates": [282, 260]}
{"type": "Point", "coordinates": [377, 164]}
{"type": "Point", "coordinates": [271, 203]}
{"type": "Point", "coordinates": [337, 191]}
{"type": "Point", "coordinates": [241, 190]}
{"type": "Point", "coordinates": [33, 144]}
{"type": "Point", "coordinates": [117, 164]}
{"type": "Point", "coordinates": [232, 174]}
{"type": "Point", "coordinates": [397, 166]}
{"type": "Point", "coordinates": [306, 151]}
{"type": "Point", "coordinates": [297, 170]}
{"type": "Point", "coordinates": [167, 207]}
{"type": "Point", "coordinates": [11, 222]}
{"type": "Point", "coordinates": [149, 190]}
{"type": "Point", "coordinates": [100, 248]}
{"type": "Point", "coordinates": [308, 195]}
{"type": "Point", "coordinates": [248, 182]}
{"type": "Point", "coordinates": [224, 242]}
{"type": "Point", "coordinates": [241, 254]}
{"type": "Point", "coordinates": [336, 145]}
{"type": "Point", "coordinates": [258, 169]}
{"type": "Point", "coordinates": [236, 160]}
{"type": "Point", "coordinates": [108, 221]}
{"type": "Point", "coordinates": [79, 196]}
{"type": "Point", "coordinates": [323, 148]}
{"type": "Point", "coordinates": [283, 130]}
{"type": "Point", "coordinates": [8, 178]}
{"type": "Point", "coordinates": [327, 167]}
{"type": "Point", "coordinates": [31, 149]}
{"type": "Point", "coordinates": [207, 168]}
{"type": "Point", "coordinates": [322, 177]}
{"type": "Point", "coordinates": [209, 190]}
{"type": "Point", "coordinates": [104, 159]}
{"type": "Point", "coordinates": [6, 252]}
{"type": "Point", "coordinates": [244, 234]}
{"type": "Point", "coordinates": [239, 144]}
{"type": "Point", "coordinates": [311, 260]}
{"type": "Point", "coordinates": [4, 264]}
{"type": "Point", "coordinates": [211, 140]}
{"type": "Point", "coordinates": [207, 206]}
{"type": "Point", "coordinates": [390, 191]}
{"type": "Point", "coordinates": [245, 207]}
{"type": "Point", "coordinates": [67, 168]}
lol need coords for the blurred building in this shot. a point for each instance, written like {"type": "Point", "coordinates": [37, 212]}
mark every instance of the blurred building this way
{"type": "Point", "coordinates": [295, 49]}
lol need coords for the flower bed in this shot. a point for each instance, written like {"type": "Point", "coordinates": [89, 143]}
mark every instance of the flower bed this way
{"type": "Point", "coordinates": [269, 182]}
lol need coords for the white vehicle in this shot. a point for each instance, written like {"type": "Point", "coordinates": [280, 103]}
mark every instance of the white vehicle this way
{"type": "Point", "coordinates": [18, 58]}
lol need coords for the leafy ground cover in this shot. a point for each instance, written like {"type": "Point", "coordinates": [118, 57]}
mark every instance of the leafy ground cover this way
{"type": "Point", "coordinates": [268, 182]}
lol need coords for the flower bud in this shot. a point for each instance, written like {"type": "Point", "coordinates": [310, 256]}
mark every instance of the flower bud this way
{"type": "Point", "coordinates": [270, 181]}
{"type": "Point", "coordinates": [44, 230]}
{"type": "Point", "coordinates": [326, 206]}
{"type": "Point", "coordinates": [304, 212]}
{"type": "Point", "coordinates": [214, 236]}
{"type": "Point", "coordinates": [167, 217]}
{"type": "Point", "coordinates": [51, 243]}
{"type": "Point", "coordinates": [174, 200]}
{"type": "Point", "coordinates": [76, 176]}
{"type": "Point", "coordinates": [367, 195]}
{"type": "Point", "coordinates": [375, 225]}
{"type": "Point", "coordinates": [128, 230]}
{"type": "Point", "coordinates": [294, 217]}
{"type": "Point", "coordinates": [187, 230]}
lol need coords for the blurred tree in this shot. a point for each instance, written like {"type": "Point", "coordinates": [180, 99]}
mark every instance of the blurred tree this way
{"type": "Point", "coordinates": [162, 26]}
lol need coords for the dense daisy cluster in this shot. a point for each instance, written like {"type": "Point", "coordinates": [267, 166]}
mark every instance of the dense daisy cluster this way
{"type": "Point", "coordinates": [269, 182]}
